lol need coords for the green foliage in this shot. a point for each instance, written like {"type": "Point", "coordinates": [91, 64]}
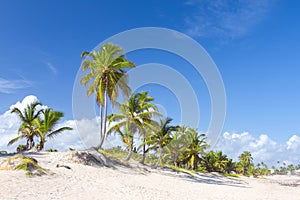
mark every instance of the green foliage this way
{"type": "Point", "coordinates": [106, 76]}
{"type": "Point", "coordinates": [27, 164]}
{"type": "Point", "coordinates": [245, 163]}
{"type": "Point", "coordinates": [196, 145]}
{"type": "Point", "coordinates": [217, 162]}
{"type": "Point", "coordinates": [21, 147]}
{"type": "Point", "coordinates": [46, 125]}
{"type": "Point", "coordinates": [29, 127]}
{"type": "Point", "coordinates": [135, 117]}
{"type": "Point", "coordinates": [51, 150]}
{"type": "Point", "coordinates": [119, 154]}
{"type": "Point", "coordinates": [37, 123]}
{"type": "Point", "coordinates": [159, 139]}
{"type": "Point", "coordinates": [284, 169]}
{"type": "Point", "coordinates": [232, 175]}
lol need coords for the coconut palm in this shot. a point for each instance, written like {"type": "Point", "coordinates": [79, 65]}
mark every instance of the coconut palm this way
{"type": "Point", "coordinates": [217, 162]}
{"type": "Point", "coordinates": [177, 147]}
{"type": "Point", "coordinates": [146, 105]}
{"type": "Point", "coordinates": [245, 161]}
{"type": "Point", "coordinates": [161, 138]}
{"type": "Point", "coordinates": [106, 77]}
{"type": "Point", "coordinates": [29, 127]}
{"type": "Point", "coordinates": [47, 125]}
{"type": "Point", "coordinates": [134, 117]}
{"type": "Point", "coordinates": [197, 145]}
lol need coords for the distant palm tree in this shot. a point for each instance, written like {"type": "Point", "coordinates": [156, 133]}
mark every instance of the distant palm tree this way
{"type": "Point", "coordinates": [47, 125]}
{"type": "Point", "coordinates": [218, 162]}
{"type": "Point", "coordinates": [161, 138]}
{"type": "Point", "coordinates": [135, 117]}
{"type": "Point", "coordinates": [106, 76]}
{"type": "Point", "coordinates": [29, 127]}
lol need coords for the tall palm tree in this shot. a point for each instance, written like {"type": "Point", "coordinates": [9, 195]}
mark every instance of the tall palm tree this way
{"type": "Point", "coordinates": [161, 138]}
{"type": "Point", "coordinates": [134, 117]}
{"type": "Point", "coordinates": [197, 145]}
{"type": "Point", "coordinates": [29, 127]}
{"type": "Point", "coordinates": [47, 125]}
{"type": "Point", "coordinates": [106, 76]}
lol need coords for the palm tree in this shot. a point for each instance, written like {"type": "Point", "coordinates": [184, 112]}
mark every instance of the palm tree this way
{"type": "Point", "coordinates": [29, 127]}
{"type": "Point", "coordinates": [47, 125]}
{"type": "Point", "coordinates": [196, 147]}
{"type": "Point", "coordinates": [161, 138]}
{"type": "Point", "coordinates": [146, 105]}
{"type": "Point", "coordinates": [106, 76]}
{"type": "Point", "coordinates": [245, 160]}
{"type": "Point", "coordinates": [135, 117]}
{"type": "Point", "coordinates": [177, 147]}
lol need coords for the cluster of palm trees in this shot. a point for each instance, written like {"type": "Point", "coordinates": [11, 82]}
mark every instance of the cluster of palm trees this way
{"type": "Point", "coordinates": [177, 145]}
{"type": "Point", "coordinates": [142, 128]}
{"type": "Point", "coordinates": [40, 123]}
{"type": "Point", "coordinates": [285, 169]}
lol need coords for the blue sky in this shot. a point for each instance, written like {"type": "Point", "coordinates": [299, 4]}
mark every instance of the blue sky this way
{"type": "Point", "coordinates": [255, 45]}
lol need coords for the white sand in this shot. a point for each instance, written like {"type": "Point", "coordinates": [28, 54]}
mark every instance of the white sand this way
{"type": "Point", "coordinates": [87, 182]}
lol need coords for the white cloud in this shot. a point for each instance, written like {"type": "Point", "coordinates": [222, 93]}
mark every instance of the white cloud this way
{"type": "Point", "coordinates": [52, 68]}
{"type": "Point", "coordinates": [262, 148]}
{"type": "Point", "coordinates": [229, 18]}
{"type": "Point", "coordinates": [10, 86]}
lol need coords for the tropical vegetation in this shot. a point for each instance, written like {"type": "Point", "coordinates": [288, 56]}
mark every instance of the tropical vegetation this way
{"type": "Point", "coordinates": [106, 77]}
{"type": "Point", "coordinates": [37, 123]}
{"type": "Point", "coordinates": [148, 136]}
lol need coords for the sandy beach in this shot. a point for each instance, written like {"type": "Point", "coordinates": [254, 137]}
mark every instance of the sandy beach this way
{"type": "Point", "coordinates": [135, 182]}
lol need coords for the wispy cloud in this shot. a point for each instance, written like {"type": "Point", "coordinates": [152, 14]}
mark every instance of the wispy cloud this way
{"type": "Point", "coordinates": [225, 18]}
{"type": "Point", "coordinates": [10, 86]}
{"type": "Point", "coordinates": [52, 68]}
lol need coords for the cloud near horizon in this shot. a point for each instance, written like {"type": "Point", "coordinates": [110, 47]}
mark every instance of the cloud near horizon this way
{"type": "Point", "coordinates": [85, 134]}
{"type": "Point", "coordinates": [262, 148]}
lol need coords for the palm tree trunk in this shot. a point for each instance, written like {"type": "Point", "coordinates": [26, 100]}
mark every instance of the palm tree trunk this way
{"type": "Point", "coordinates": [195, 162]}
{"type": "Point", "coordinates": [131, 144]}
{"type": "Point", "coordinates": [102, 136]}
{"type": "Point", "coordinates": [101, 127]}
{"type": "Point", "coordinates": [159, 161]}
{"type": "Point", "coordinates": [104, 119]}
{"type": "Point", "coordinates": [130, 151]}
{"type": "Point", "coordinates": [27, 144]}
{"type": "Point", "coordinates": [144, 151]}
{"type": "Point", "coordinates": [129, 155]}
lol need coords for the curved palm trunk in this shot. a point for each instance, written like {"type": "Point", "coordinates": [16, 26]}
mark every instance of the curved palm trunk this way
{"type": "Point", "coordinates": [130, 150]}
{"type": "Point", "coordinates": [41, 145]}
{"type": "Point", "coordinates": [131, 143]}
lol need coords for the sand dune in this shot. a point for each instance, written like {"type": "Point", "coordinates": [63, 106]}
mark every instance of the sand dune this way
{"type": "Point", "coordinates": [95, 181]}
